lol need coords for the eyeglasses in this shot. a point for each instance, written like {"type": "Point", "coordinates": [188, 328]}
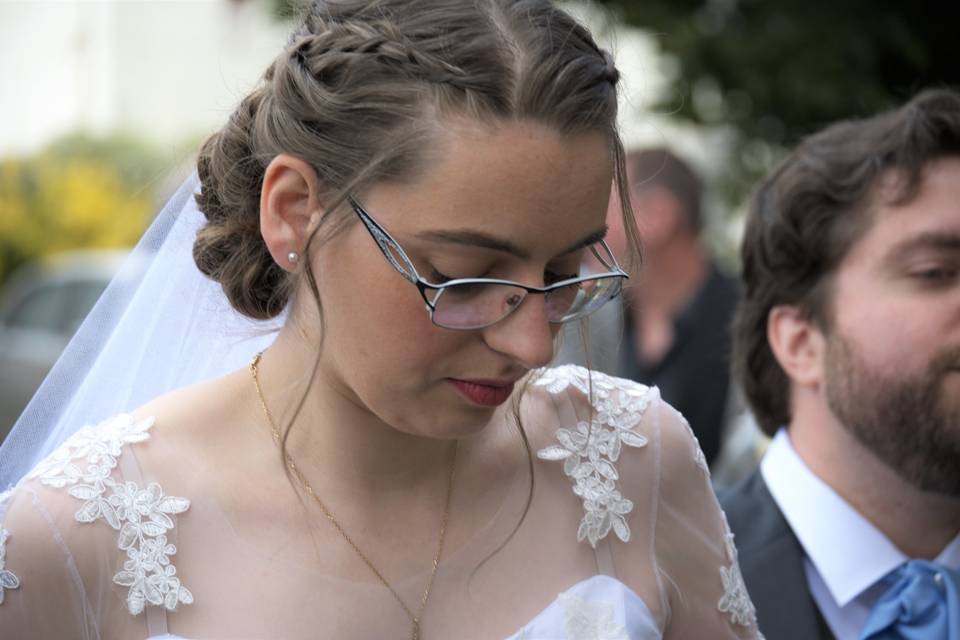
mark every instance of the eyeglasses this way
{"type": "Point", "coordinates": [475, 303]}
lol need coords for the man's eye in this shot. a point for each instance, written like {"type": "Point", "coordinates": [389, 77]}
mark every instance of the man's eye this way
{"type": "Point", "coordinates": [935, 275]}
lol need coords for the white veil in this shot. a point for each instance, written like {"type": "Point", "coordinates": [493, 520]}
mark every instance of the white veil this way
{"type": "Point", "coordinates": [160, 324]}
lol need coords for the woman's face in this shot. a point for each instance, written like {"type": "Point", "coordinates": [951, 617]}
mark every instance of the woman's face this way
{"type": "Point", "coordinates": [502, 203]}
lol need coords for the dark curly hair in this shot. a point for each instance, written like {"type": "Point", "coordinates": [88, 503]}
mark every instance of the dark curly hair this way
{"type": "Point", "coordinates": [805, 217]}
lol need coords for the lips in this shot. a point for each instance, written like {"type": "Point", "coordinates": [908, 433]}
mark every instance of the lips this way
{"type": "Point", "coordinates": [486, 393]}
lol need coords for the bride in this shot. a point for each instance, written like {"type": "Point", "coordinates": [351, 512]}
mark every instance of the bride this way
{"type": "Point", "coordinates": [409, 195]}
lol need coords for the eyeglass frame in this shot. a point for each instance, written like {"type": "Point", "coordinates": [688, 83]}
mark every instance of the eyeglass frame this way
{"type": "Point", "coordinates": [385, 241]}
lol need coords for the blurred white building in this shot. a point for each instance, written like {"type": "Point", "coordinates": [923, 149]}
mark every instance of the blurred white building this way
{"type": "Point", "coordinates": [164, 70]}
{"type": "Point", "coordinates": [173, 70]}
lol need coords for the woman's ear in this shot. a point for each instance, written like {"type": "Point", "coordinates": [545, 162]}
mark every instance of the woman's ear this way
{"type": "Point", "coordinates": [290, 208]}
{"type": "Point", "coordinates": [797, 344]}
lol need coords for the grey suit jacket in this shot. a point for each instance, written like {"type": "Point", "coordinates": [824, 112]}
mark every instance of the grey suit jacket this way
{"type": "Point", "coordinates": [771, 560]}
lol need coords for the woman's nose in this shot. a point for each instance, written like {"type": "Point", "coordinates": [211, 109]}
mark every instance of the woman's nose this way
{"type": "Point", "coordinates": [526, 336]}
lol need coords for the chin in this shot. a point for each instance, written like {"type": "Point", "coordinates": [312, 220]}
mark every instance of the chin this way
{"type": "Point", "coordinates": [447, 416]}
{"type": "Point", "coordinates": [471, 425]}
{"type": "Point", "coordinates": [464, 422]}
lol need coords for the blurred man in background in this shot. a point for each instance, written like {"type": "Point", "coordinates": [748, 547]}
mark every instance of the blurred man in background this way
{"type": "Point", "coordinates": [847, 345]}
{"type": "Point", "coordinates": [673, 330]}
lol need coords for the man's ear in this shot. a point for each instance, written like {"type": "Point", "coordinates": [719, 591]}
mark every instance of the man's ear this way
{"type": "Point", "coordinates": [797, 343]}
{"type": "Point", "coordinates": [290, 208]}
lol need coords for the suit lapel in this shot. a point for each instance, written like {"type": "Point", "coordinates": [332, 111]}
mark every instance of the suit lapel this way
{"type": "Point", "coordinates": [771, 560]}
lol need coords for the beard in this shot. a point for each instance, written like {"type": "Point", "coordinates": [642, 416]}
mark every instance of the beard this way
{"type": "Point", "coordinates": [912, 424]}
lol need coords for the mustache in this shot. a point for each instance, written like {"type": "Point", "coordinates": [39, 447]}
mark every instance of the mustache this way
{"type": "Point", "coordinates": [945, 361]}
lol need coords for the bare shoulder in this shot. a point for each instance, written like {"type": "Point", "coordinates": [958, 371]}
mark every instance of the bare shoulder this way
{"type": "Point", "coordinates": [198, 408]}
{"type": "Point", "coordinates": [195, 427]}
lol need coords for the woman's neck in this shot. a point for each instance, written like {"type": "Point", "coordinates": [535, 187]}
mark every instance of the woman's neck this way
{"type": "Point", "coordinates": [334, 438]}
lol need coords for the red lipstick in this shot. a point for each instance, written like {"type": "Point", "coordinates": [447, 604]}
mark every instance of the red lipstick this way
{"type": "Point", "coordinates": [487, 393]}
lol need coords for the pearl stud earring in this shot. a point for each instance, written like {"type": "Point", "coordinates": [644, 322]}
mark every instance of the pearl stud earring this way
{"type": "Point", "coordinates": [293, 256]}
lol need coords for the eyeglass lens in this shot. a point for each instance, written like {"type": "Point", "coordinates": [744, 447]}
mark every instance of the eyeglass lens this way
{"type": "Point", "coordinates": [472, 306]}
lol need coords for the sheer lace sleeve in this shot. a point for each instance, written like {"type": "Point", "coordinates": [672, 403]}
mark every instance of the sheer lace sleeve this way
{"type": "Point", "coordinates": [84, 546]}
{"type": "Point", "coordinates": [44, 595]}
{"type": "Point", "coordinates": [693, 547]}
{"type": "Point", "coordinates": [648, 503]}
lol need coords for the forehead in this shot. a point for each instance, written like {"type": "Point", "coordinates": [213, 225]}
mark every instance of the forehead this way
{"type": "Point", "coordinates": [933, 211]}
{"type": "Point", "coordinates": [520, 181]}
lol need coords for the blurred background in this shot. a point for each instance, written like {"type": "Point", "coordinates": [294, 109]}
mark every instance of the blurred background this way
{"type": "Point", "coordinates": [105, 102]}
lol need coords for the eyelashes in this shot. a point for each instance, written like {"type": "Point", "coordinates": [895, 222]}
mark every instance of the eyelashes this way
{"type": "Point", "coordinates": [552, 278]}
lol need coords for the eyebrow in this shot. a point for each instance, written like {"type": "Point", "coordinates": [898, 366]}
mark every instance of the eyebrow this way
{"type": "Point", "coordinates": [948, 241]}
{"type": "Point", "coordinates": [486, 241]}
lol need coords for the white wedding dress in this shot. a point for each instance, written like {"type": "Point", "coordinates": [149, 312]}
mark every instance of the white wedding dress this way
{"type": "Point", "coordinates": [122, 534]}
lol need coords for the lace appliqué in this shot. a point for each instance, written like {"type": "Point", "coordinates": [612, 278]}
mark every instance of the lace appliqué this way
{"type": "Point", "coordinates": [142, 516]}
{"type": "Point", "coordinates": [735, 600]}
{"type": "Point", "coordinates": [583, 620]}
{"type": "Point", "coordinates": [588, 450]}
{"type": "Point", "coordinates": [698, 456]}
{"type": "Point", "coordinates": [7, 579]}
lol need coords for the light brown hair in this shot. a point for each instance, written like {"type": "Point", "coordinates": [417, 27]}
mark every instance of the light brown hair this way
{"type": "Point", "coordinates": [359, 89]}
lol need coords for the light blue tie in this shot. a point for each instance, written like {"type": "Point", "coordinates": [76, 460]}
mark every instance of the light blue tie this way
{"type": "Point", "coordinates": [922, 603]}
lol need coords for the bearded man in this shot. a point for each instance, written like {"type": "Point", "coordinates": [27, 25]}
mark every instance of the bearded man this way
{"type": "Point", "coordinates": [847, 346]}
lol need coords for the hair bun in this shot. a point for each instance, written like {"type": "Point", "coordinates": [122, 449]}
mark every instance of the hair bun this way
{"type": "Point", "coordinates": [229, 248]}
{"type": "Point", "coordinates": [254, 284]}
{"type": "Point", "coordinates": [612, 75]}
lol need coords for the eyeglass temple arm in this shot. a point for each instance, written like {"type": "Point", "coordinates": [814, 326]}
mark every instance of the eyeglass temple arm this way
{"type": "Point", "coordinates": [385, 241]}
{"type": "Point", "coordinates": [610, 264]}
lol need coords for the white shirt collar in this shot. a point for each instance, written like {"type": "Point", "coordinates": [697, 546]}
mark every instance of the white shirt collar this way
{"type": "Point", "coordinates": [848, 551]}
{"type": "Point", "coordinates": [950, 556]}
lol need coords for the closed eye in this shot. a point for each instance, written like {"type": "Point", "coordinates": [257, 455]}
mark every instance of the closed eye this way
{"type": "Point", "coordinates": [438, 278]}
{"type": "Point", "coordinates": [935, 275]}
{"type": "Point", "coordinates": [549, 278]}
{"type": "Point", "coordinates": [552, 278]}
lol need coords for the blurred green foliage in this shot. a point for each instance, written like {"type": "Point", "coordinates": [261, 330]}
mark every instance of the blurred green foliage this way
{"type": "Point", "coordinates": [288, 9]}
{"type": "Point", "coordinates": [79, 192]}
{"type": "Point", "coordinates": [776, 70]}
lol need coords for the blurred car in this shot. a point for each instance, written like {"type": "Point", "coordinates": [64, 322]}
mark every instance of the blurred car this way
{"type": "Point", "coordinates": [41, 307]}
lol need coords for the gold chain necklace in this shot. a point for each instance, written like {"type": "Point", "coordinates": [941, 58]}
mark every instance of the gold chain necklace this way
{"type": "Point", "coordinates": [415, 619]}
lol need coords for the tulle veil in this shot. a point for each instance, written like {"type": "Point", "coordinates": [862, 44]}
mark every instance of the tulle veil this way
{"type": "Point", "coordinates": [159, 325]}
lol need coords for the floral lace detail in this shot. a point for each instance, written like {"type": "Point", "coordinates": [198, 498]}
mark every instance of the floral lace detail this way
{"type": "Point", "coordinates": [584, 620]}
{"type": "Point", "coordinates": [142, 516]}
{"type": "Point", "coordinates": [735, 600]}
{"type": "Point", "coordinates": [589, 449]}
{"type": "Point", "coordinates": [7, 579]}
{"type": "Point", "coordinates": [698, 456]}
